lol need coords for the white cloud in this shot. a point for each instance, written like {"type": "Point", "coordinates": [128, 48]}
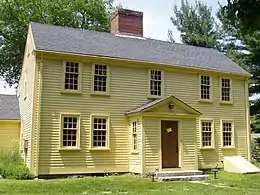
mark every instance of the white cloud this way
{"type": "Point", "coordinates": [5, 89]}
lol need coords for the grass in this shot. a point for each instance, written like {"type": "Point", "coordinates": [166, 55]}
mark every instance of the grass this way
{"type": "Point", "coordinates": [128, 184]}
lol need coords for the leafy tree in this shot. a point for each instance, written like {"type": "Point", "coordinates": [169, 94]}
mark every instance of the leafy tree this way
{"type": "Point", "coordinates": [196, 24]}
{"type": "Point", "coordinates": [245, 12]}
{"type": "Point", "coordinates": [246, 51]}
{"type": "Point", "coordinates": [15, 16]}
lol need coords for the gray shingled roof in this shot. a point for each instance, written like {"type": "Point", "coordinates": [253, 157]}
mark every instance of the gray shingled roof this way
{"type": "Point", "coordinates": [9, 107]}
{"type": "Point", "coordinates": [63, 39]}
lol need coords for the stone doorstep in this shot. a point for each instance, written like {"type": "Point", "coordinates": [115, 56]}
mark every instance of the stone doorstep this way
{"type": "Point", "coordinates": [184, 178]}
{"type": "Point", "coordinates": [178, 173]}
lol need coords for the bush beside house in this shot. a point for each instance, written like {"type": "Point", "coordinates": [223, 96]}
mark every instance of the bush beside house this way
{"type": "Point", "coordinates": [12, 166]}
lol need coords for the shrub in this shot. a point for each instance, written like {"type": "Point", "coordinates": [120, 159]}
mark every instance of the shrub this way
{"type": "Point", "coordinates": [256, 149]}
{"type": "Point", "coordinates": [12, 166]}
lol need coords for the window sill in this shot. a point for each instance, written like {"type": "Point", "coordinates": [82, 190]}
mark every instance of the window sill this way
{"type": "Point", "coordinates": [70, 149]}
{"type": "Point", "coordinates": [101, 149]}
{"type": "Point", "coordinates": [70, 92]}
{"type": "Point", "coordinates": [134, 152]}
{"type": "Point", "coordinates": [228, 148]}
{"type": "Point", "coordinates": [206, 100]}
{"type": "Point", "coordinates": [225, 102]}
{"type": "Point", "coordinates": [154, 97]}
{"type": "Point", "coordinates": [97, 93]}
{"type": "Point", "coordinates": [207, 148]}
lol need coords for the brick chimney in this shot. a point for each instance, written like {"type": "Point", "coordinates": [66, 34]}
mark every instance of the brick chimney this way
{"type": "Point", "coordinates": [127, 22]}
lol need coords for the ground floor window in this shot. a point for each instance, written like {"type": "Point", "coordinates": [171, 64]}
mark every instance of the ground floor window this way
{"type": "Point", "coordinates": [100, 132]}
{"type": "Point", "coordinates": [69, 131]}
{"type": "Point", "coordinates": [207, 135]}
{"type": "Point", "coordinates": [227, 133]}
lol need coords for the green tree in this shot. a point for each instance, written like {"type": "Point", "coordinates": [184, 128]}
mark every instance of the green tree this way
{"type": "Point", "coordinates": [246, 51]}
{"type": "Point", "coordinates": [196, 24]}
{"type": "Point", "coordinates": [15, 16]}
{"type": "Point", "coordinates": [245, 12]}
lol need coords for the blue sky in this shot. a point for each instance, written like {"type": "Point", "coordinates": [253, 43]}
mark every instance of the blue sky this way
{"type": "Point", "coordinates": [157, 15]}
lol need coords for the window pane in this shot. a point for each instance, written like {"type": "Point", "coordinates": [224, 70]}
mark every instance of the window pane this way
{"type": "Point", "coordinates": [225, 89]}
{"type": "Point", "coordinates": [71, 81]}
{"type": "Point", "coordinates": [155, 83]}
{"type": "Point", "coordinates": [100, 78]}
{"type": "Point", "coordinates": [134, 136]}
{"type": "Point", "coordinates": [205, 87]}
{"type": "Point", "coordinates": [206, 133]}
{"type": "Point", "coordinates": [227, 133]}
{"type": "Point", "coordinates": [70, 125]}
{"type": "Point", "coordinates": [100, 132]}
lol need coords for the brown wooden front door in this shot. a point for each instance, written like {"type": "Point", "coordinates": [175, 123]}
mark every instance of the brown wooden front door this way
{"type": "Point", "coordinates": [169, 143]}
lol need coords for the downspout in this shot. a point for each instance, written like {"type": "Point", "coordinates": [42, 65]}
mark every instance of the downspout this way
{"type": "Point", "coordinates": [39, 71]}
{"type": "Point", "coordinates": [248, 121]}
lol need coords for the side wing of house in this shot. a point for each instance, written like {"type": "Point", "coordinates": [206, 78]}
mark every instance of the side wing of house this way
{"type": "Point", "coordinates": [26, 96]}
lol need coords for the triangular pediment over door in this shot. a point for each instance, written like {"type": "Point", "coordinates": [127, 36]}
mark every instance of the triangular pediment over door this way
{"type": "Point", "coordinates": [171, 106]}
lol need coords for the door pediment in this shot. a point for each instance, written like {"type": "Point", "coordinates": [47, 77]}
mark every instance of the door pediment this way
{"type": "Point", "coordinates": [170, 105]}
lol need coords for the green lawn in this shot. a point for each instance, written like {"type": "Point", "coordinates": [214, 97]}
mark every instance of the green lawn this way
{"type": "Point", "coordinates": [128, 184]}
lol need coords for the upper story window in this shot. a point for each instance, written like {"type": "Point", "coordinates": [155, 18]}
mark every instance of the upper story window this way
{"type": "Point", "coordinates": [100, 79]}
{"type": "Point", "coordinates": [207, 134]}
{"type": "Point", "coordinates": [225, 89]}
{"type": "Point", "coordinates": [72, 76]}
{"type": "Point", "coordinates": [205, 87]}
{"type": "Point", "coordinates": [156, 83]}
{"type": "Point", "coordinates": [70, 131]}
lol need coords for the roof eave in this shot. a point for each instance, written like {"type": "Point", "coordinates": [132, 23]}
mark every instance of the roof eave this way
{"type": "Point", "coordinates": [245, 75]}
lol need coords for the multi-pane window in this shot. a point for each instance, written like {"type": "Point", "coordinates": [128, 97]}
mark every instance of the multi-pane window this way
{"type": "Point", "coordinates": [206, 133]}
{"type": "Point", "coordinates": [100, 132]}
{"type": "Point", "coordinates": [71, 76]}
{"type": "Point", "coordinates": [100, 78]}
{"type": "Point", "coordinates": [134, 136]}
{"type": "Point", "coordinates": [70, 128]}
{"type": "Point", "coordinates": [205, 87]}
{"type": "Point", "coordinates": [225, 89]}
{"type": "Point", "coordinates": [227, 133]}
{"type": "Point", "coordinates": [155, 82]}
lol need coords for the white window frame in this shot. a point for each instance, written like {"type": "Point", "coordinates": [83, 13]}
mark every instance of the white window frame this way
{"type": "Point", "coordinates": [212, 134]}
{"type": "Point", "coordinates": [230, 92]}
{"type": "Point", "coordinates": [107, 92]}
{"type": "Point", "coordinates": [79, 78]}
{"type": "Point", "coordinates": [210, 89]}
{"type": "Point", "coordinates": [77, 147]}
{"type": "Point", "coordinates": [102, 116]}
{"type": "Point", "coordinates": [149, 84]}
{"type": "Point", "coordinates": [134, 127]}
{"type": "Point", "coordinates": [233, 145]}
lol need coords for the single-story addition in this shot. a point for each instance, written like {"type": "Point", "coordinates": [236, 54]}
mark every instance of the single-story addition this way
{"type": "Point", "coordinates": [9, 122]}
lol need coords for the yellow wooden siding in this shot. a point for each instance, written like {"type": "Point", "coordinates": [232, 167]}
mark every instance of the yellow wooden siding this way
{"type": "Point", "coordinates": [26, 103]}
{"type": "Point", "coordinates": [188, 143]}
{"type": "Point", "coordinates": [135, 157]}
{"type": "Point", "coordinates": [129, 89]}
{"type": "Point", "coordinates": [151, 144]}
{"type": "Point", "coordinates": [51, 160]}
{"type": "Point", "coordinates": [9, 135]}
